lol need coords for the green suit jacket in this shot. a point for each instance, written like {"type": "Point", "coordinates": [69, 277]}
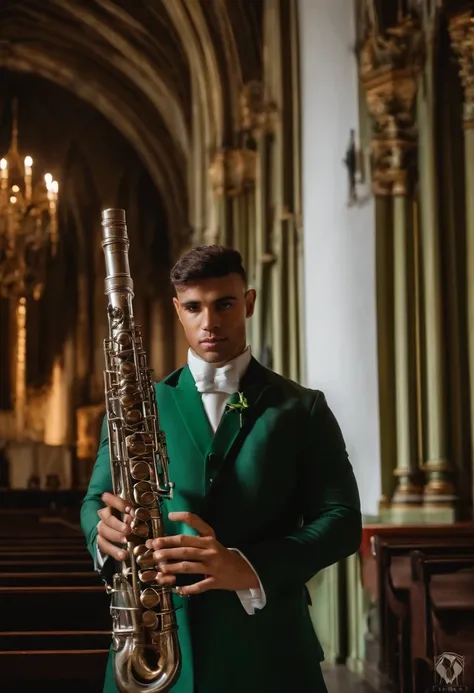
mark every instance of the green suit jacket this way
{"type": "Point", "coordinates": [279, 487]}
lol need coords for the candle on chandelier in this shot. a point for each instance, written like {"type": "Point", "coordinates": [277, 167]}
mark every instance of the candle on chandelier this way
{"type": "Point", "coordinates": [52, 187]}
{"type": "Point", "coordinates": [28, 177]}
{"type": "Point", "coordinates": [3, 174]}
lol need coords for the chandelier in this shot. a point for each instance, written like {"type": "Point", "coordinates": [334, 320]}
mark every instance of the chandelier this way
{"type": "Point", "coordinates": [28, 223]}
{"type": "Point", "coordinates": [28, 235]}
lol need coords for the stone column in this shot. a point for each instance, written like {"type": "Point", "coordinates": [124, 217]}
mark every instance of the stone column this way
{"type": "Point", "coordinates": [389, 67]}
{"type": "Point", "coordinates": [439, 487]}
{"type": "Point", "coordinates": [462, 38]}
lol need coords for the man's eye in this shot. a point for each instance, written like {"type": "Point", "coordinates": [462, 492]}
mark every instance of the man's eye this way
{"type": "Point", "coordinates": [192, 309]}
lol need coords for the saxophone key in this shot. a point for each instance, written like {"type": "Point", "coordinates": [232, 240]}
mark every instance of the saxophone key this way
{"type": "Point", "coordinates": [127, 369]}
{"type": "Point", "coordinates": [141, 470]}
{"type": "Point", "coordinates": [136, 448]}
{"type": "Point", "coordinates": [128, 400]}
{"type": "Point", "coordinates": [124, 339]}
{"type": "Point", "coordinates": [143, 514]}
{"type": "Point", "coordinates": [144, 494]}
{"type": "Point", "coordinates": [150, 598]}
{"type": "Point", "coordinates": [133, 417]}
{"type": "Point", "coordinates": [150, 620]}
{"type": "Point", "coordinates": [145, 560]}
{"type": "Point", "coordinates": [140, 529]}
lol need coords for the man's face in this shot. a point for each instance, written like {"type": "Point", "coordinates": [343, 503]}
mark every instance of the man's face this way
{"type": "Point", "coordinates": [213, 314]}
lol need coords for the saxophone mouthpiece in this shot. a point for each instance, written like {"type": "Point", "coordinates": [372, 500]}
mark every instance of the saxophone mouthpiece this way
{"type": "Point", "coordinates": [114, 215]}
{"type": "Point", "coordinates": [115, 245]}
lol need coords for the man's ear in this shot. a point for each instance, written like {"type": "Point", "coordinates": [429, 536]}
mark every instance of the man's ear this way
{"type": "Point", "coordinates": [176, 305]}
{"type": "Point", "coordinates": [250, 298]}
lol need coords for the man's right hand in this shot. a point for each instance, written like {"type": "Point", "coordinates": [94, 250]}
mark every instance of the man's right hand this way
{"type": "Point", "coordinates": [112, 530]}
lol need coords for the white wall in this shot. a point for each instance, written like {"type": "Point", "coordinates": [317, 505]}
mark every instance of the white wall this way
{"type": "Point", "coordinates": [339, 242]}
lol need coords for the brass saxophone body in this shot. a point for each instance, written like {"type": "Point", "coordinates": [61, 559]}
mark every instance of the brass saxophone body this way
{"type": "Point", "coordinates": [147, 655]}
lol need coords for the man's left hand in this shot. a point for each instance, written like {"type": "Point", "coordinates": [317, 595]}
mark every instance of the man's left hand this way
{"type": "Point", "coordinates": [223, 568]}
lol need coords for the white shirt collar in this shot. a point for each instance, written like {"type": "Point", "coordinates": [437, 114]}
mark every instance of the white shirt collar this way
{"type": "Point", "coordinates": [234, 369]}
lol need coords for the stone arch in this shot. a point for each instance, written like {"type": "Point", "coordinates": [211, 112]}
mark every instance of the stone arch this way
{"type": "Point", "coordinates": [142, 66]}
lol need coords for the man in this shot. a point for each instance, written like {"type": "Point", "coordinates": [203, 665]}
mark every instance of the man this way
{"type": "Point", "coordinates": [265, 497]}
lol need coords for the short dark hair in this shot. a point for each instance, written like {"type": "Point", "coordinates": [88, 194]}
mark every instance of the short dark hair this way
{"type": "Point", "coordinates": [206, 262]}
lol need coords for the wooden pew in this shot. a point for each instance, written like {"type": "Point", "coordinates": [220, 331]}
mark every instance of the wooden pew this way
{"type": "Point", "coordinates": [55, 626]}
{"type": "Point", "coordinates": [393, 560]}
{"type": "Point", "coordinates": [392, 601]}
{"type": "Point", "coordinates": [52, 578]}
{"type": "Point", "coordinates": [58, 608]}
{"type": "Point", "coordinates": [442, 609]}
{"type": "Point", "coordinates": [41, 565]}
{"type": "Point", "coordinates": [74, 671]}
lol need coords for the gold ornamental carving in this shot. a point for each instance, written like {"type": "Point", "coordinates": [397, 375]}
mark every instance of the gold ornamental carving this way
{"type": "Point", "coordinates": [389, 68]}
{"type": "Point", "coordinates": [233, 171]}
{"type": "Point", "coordinates": [257, 115]}
{"type": "Point", "coordinates": [461, 30]}
{"type": "Point", "coordinates": [227, 172]}
{"type": "Point", "coordinates": [253, 112]}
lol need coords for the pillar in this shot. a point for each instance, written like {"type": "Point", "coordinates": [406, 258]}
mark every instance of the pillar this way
{"type": "Point", "coordinates": [439, 481]}
{"type": "Point", "coordinates": [390, 83]}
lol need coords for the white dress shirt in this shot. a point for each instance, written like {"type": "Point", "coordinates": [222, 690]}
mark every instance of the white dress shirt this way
{"type": "Point", "coordinates": [215, 386]}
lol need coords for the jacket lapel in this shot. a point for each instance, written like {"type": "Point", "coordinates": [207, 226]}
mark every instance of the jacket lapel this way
{"type": "Point", "coordinates": [233, 428]}
{"type": "Point", "coordinates": [189, 404]}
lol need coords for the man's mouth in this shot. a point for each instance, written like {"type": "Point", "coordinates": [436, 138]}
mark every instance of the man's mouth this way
{"type": "Point", "coordinates": [212, 340]}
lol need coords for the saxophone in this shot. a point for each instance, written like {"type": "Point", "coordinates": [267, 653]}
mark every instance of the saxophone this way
{"type": "Point", "coordinates": [147, 655]}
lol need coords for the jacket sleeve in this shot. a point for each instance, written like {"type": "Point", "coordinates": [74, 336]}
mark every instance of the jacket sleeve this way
{"type": "Point", "coordinates": [100, 482]}
{"type": "Point", "coordinates": [331, 523]}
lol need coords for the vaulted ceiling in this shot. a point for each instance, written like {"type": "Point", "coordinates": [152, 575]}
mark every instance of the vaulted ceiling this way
{"type": "Point", "coordinates": [146, 65]}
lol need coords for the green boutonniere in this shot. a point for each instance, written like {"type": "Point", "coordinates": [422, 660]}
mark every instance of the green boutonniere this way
{"type": "Point", "coordinates": [239, 406]}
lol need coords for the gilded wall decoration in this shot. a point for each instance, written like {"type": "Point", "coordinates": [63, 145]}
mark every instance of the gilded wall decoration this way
{"type": "Point", "coordinates": [389, 68]}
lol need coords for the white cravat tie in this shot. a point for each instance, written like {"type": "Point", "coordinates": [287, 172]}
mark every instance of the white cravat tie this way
{"type": "Point", "coordinates": [216, 384]}
{"type": "Point", "coordinates": [224, 379]}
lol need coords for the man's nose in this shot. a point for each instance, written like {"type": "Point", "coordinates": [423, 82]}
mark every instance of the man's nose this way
{"type": "Point", "coordinates": [210, 320]}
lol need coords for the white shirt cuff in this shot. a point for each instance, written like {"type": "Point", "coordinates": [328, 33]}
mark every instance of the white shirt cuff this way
{"type": "Point", "coordinates": [99, 558]}
{"type": "Point", "coordinates": [251, 599]}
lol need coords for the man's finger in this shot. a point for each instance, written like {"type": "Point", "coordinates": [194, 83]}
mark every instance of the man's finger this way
{"type": "Point", "coordinates": [167, 580]}
{"type": "Point", "coordinates": [210, 583]}
{"type": "Point", "coordinates": [183, 553]}
{"type": "Point", "coordinates": [185, 567]}
{"type": "Point", "coordinates": [111, 550]}
{"type": "Point", "coordinates": [115, 502]}
{"type": "Point", "coordinates": [193, 521]}
{"type": "Point", "coordinates": [176, 540]}
{"type": "Point", "coordinates": [113, 522]}
{"type": "Point", "coordinates": [110, 533]}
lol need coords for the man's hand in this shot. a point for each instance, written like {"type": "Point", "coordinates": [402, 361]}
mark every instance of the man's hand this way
{"type": "Point", "coordinates": [111, 529]}
{"type": "Point", "coordinates": [223, 568]}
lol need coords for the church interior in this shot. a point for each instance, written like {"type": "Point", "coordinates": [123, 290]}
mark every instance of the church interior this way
{"type": "Point", "coordinates": [332, 143]}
